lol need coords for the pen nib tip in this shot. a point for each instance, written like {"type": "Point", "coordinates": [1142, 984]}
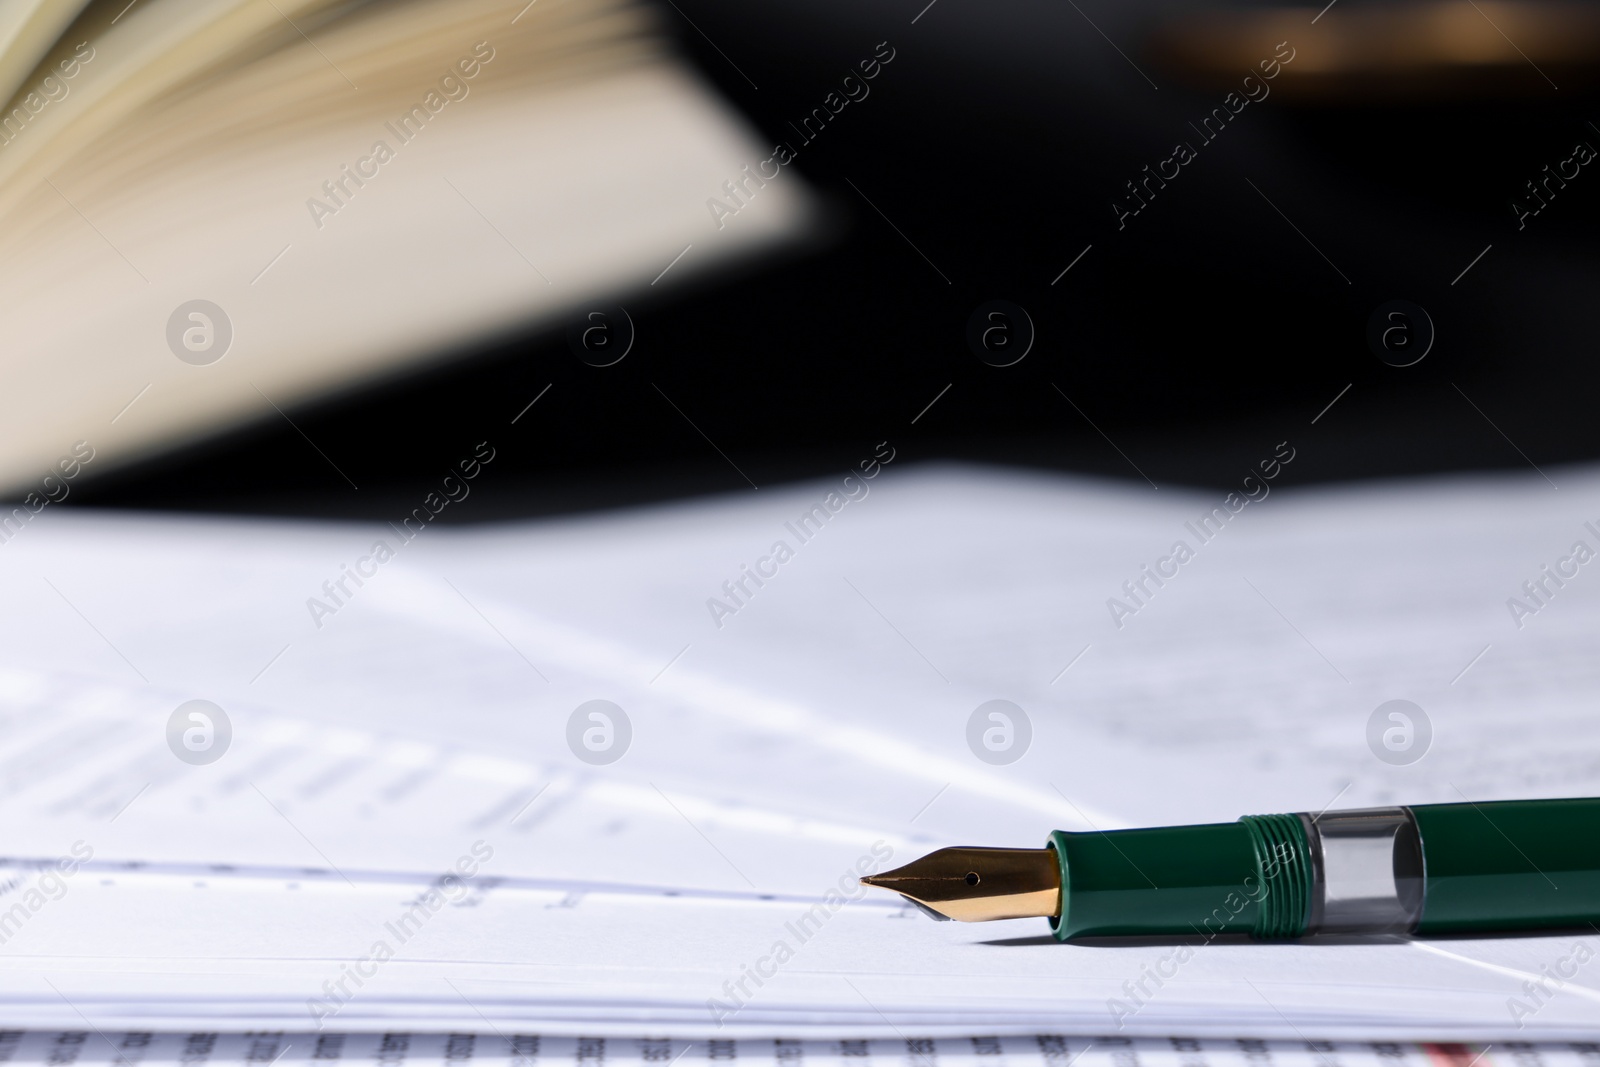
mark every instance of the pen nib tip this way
{"type": "Point", "coordinates": [976, 884]}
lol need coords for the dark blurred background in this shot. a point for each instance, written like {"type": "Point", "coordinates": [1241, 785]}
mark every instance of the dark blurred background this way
{"type": "Point", "coordinates": [1221, 319]}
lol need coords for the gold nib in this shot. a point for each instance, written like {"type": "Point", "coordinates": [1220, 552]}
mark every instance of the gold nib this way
{"type": "Point", "coordinates": [978, 884]}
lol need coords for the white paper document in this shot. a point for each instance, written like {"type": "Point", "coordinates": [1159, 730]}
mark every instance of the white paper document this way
{"type": "Point", "coordinates": [411, 827]}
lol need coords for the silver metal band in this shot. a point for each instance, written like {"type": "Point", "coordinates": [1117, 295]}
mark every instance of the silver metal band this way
{"type": "Point", "coordinates": [1368, 871]}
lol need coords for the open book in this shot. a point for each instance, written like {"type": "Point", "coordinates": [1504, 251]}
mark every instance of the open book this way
{"type": "Point", "coordinates": [209, 208]}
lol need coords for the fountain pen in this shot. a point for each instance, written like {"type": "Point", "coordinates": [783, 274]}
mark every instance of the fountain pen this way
{"type": "Point", "coordinates": [1426, 869]}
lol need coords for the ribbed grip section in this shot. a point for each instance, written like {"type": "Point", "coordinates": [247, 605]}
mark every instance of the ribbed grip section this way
{"type": "Point", "coordinates": [1283, 866]}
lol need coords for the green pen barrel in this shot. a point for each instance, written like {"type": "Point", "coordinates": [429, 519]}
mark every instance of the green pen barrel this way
{"type": "Point", "coordinates": [1509, 865]}
{"type": "Point", "coordinates": [1253, 876]}
{"type": "Point", "coordinates": [1429, 869]}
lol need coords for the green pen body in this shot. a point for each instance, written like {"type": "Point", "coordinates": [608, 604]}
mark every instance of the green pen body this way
{"type": "Point", "coordinates": [1425, 869]}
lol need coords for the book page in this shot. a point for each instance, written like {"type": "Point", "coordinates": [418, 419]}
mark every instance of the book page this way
{"type": "Point", "coordinates": [345, 207]}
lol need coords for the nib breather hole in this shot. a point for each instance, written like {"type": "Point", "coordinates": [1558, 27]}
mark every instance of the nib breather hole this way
{"type": "Point", "coordinates": [972, 877]}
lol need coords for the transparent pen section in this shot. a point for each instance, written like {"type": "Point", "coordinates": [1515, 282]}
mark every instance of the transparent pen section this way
{"type": "Point", "coordinates": [1368, 871]}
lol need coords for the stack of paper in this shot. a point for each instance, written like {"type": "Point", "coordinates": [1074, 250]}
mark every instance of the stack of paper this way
{"type": "Point", "coordinates": [410, 821]}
